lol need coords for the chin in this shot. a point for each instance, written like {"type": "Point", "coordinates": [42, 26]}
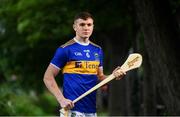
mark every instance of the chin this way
{"type": "Point", "coordinates": [85, 36]}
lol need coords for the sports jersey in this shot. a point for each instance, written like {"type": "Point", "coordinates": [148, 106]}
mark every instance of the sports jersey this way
{"type": "Point", "coordinates": [79, 64]}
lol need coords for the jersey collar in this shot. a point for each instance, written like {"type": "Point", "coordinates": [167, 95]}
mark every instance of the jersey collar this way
{"type": "Point", "coordinates": [81, 43]}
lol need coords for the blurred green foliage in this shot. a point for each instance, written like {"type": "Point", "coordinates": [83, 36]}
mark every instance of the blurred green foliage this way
{"type": "Point", "coordinates": [16, 101]}
{"type": "Point", "coordinates": [30, 31]}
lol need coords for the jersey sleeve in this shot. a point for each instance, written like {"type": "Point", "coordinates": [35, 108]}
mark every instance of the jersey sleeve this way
{"type": "Point", "coordinates": [60, 58]}
{"type": "Point", "coordinates": [101, 58]}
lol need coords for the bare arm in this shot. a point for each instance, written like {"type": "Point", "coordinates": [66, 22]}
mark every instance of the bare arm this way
{"type": "Point", "coordinates": [101, 77]}
{"type": "Point", "coordinates": [50, 82]}
{"type": "Point", "coordinates": [100, 74]}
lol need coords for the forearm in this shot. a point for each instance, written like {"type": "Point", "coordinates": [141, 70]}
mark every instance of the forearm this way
{"type": "Point", "coordinates": [53, 88]}
{"type": "Point", "coordinates": [102, 77]}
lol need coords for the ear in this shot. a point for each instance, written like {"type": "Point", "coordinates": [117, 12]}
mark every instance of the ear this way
{"type": "Point", "coordinates": [74, 27]}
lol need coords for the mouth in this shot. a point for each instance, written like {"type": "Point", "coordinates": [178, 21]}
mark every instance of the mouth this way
{"type": "Point", "coordinates": [85, 33]}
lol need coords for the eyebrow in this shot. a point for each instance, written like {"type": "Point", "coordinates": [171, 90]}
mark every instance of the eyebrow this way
{"type": "Point", "coordinates": [83, 24]}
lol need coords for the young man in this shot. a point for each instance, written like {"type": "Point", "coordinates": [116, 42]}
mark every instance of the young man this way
{"type": "Point", "coordinates": [81, 62]}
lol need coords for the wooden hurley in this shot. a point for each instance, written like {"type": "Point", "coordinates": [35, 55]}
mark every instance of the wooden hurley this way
{"type": "Point", "coordinates": [133, 61]}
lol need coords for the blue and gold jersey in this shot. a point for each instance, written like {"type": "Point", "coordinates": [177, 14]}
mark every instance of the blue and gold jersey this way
{"type": "Point", "coordinates": [79, 64]}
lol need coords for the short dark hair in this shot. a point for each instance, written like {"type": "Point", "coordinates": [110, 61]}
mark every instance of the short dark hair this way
{"type": "Point", "coordinates": [83, 15]}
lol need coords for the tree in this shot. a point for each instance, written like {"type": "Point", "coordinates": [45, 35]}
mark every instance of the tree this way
{"type": "Point", "coordinates": [160, 31]}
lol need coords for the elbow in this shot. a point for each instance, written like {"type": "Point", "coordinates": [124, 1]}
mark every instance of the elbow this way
{"type": "Point", "coordinates": [45, 78]}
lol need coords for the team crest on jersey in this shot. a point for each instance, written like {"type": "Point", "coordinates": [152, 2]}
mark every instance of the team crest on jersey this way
{"type": "Point", "coordinates": [96, 56]}
{"type": "Point", "coordinates": [87, 53]}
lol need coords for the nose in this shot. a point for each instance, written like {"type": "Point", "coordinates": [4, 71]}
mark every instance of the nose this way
{"type": "Point", "coordinates": [86, 26]}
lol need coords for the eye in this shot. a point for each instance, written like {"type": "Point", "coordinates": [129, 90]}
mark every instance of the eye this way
{"type": "Point", "coordinates": [89, 24]}
{"type": "Point", "coordinates": [82, 24]}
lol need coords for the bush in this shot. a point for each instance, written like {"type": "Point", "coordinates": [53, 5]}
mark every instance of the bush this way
{"type": "Point", "coordinates": [49, 103]}
{"type": "Point", "coordinates": [15, 101]}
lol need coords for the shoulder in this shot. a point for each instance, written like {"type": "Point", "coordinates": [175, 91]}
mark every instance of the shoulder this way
{"type": "Point", "coordinates": [95, 45]}
{"type": "Point", "coordinates": [70, 42]}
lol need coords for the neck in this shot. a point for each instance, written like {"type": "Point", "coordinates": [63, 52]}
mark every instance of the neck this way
{"type": "Point", "coordinates": [82, 41]}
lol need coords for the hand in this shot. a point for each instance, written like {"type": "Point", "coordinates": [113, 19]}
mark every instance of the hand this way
{"type": "Point", "coordinates": [66, 104]}
{"type": "Point", "coordinates": [119, 73]}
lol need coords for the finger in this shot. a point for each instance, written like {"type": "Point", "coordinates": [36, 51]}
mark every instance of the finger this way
{"type": "Point", "coordinates": [115, 74]}
{"type": "Point", "coordinates": [71, 105]}
{"type": "Point", "coordinates": [118, 73]}
{"type": "Point", "coordinates": [116, 69]}
{"type": "Point", "coordinates": [118, 78]}
{"type": "Point", "coordinates": [68, 107]}
{"type": "Point", "coordinates": [123, 73]}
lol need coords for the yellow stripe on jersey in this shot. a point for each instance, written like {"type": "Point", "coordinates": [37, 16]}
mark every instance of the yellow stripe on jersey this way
{"type": "Point", "coordinates": [81, 67]}
{"type": "Point", "coordinates": [70, 42]}
{"type": "Point", "coordinates": [95, 44]}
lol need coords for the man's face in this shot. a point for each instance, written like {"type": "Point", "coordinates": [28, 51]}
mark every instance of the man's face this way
{"type": "Point", "coordinates": [83, 28]}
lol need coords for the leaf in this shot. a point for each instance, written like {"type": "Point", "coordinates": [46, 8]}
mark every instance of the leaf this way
{"type": "Point", "coordinates": [23, 25]}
